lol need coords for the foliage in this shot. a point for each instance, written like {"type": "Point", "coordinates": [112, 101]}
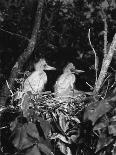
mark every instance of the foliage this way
{"type": "Point", "coordinates": [40, 124]}
{"type": "Point", "coordinates": [63, 31]}
{"type": "Point", "coordinates": [37, 124]}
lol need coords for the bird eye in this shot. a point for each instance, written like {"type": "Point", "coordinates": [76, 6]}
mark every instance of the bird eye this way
{"type": "Point", "coordinates": [44, 65]}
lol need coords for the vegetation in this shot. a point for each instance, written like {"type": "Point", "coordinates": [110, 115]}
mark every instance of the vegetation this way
{"type": "Point", "coordinates": [78, 31]}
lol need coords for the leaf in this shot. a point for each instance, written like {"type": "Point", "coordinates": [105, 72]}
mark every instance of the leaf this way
{"type": "Point", "coordinates": [13, 124]}
{"type": "Point", "coordinates": [62, 146]}
{"type": "Point", "coordinates": [99, 126]}
{"type": "Point", "coordinates": [103, 141]}
{"type": "Point", "coordinates": [18, 122]}
{"type": "Point", "coordinates": [114, 149]}
{"type": "Point", "coordinates": [31, 129]}
{"type": "Point", "coordinates": [45, 125]}
{"type": "Point", "coordinates": [112, 126]}
{"type": "Point", "coordinates": [112, 129]}
{"type": "Point", "coordinates": [62, 121]}
{"type": "Point", "coordinates": [33, 151]}
{"type": "Point", "coordinates": [75, 119]}
{"type": "Point", "coordinates": [56, 126]}
{"type": "Point", "coordinates": [102, 123]}
{"type": "Point", "coordinates": [21, 140]}
{"type": "Point", "coordinates": [44, 130]}
{"type": "Point", "coordinates": [61, 138]}
{"type": "Point", "coordinates": [104, 4]}
{"type": "Point", "coordinates": [2, 109]}
{"type": "Point", "coordinates": [74, 138]}
{"type": "Point", "coordinates": [40, 130]}
{"type": "Point", "coordinates": [45, 149]}
{"type": "Point", "coordinates": [22, 133]}
{"type": "Point", "coordinates": [95, 110]}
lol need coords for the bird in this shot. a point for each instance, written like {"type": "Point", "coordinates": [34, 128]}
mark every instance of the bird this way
{"type": "Point", "coordinates": [64, 86]}
{"type": "Point", "coordinates": [36, 81]}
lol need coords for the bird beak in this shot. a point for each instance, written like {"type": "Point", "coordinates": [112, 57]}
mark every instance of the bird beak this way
{"type": "Point", "coordinates": [50, 68]}
{"type": "Point", "coordinates": [76, 71]}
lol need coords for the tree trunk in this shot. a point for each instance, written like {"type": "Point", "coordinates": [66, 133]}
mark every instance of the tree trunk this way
{"type": "Point", "coordinates": [24, 56]}
{"type": "Point", "coordinates": [106, 62]}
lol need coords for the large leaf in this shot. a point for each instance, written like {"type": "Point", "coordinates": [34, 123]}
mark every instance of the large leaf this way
{"type": "Point", "coordinates": [61, 138]}
{"type": "Point", "coordinates": [95, 110]}
{"type": "Point", "coordinates": [103, 141]}
{"type": "Point", "coordinates": [32, 130]}
{"type": "Point", "coordinates": [112, 129]}
{"type": "Point", "coordinates": [33, 151]}
{"type": "Point", "coordinates": [21, 131]}
{"type": "Point", "coordinates": [112, 126]}
{"type": "Point", "coordinates": [45, 149]}
{"type": "Point", "coordinates": [20, 138]}
{"type": "Point", "coordinates": [62, 143]}
{"type": "Point", "coordinates": [101, 124]}
{"type": "Point", "coordinates": [63, 121]}
{"type": "Point", "coordinates": [56, 127]}
{"type": "Point", "coordinates": [38, 149]}
{"type": "Point", "coordinates": [45, 125]}
{"type": "Point", "coordinates": [26, 135]}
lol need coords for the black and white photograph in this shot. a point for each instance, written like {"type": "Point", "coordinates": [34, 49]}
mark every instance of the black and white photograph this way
{"type": "Point", "coordinates": [57, 77]}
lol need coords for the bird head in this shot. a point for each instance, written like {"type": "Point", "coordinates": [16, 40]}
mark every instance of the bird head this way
{"type": "Point", "coordinates": [42, 65]}
{"type": "Point", "coordinates": [71, 68]}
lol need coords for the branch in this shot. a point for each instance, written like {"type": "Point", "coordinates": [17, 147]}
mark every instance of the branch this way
{"type": "Point", "coordinates": [105, 36]}
{"type": "Point", "coordinates": [106, 90]}
{"type": "Point", "coordinates": [104, 18]}
{"type": "Point", "coordinates": [96, 58]}
{"type": "Point", "coordinates": [11, 33]}
{"type": "Point", "coordinates": [25, 55]}
{"type": "Point", "coordinates": [9, 88]}
{"type": "Point", "coordinates": [106, 62]}
{"type": "Point", "coordinates": [89, 85]}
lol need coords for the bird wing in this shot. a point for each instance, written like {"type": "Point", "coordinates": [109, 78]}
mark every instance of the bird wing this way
{"type": "Point", "coordinates": [35, 82]}
{"type": "Point", "coordinates": [41, 82]}
{"type": "Point", "coordinates": [65, 82]}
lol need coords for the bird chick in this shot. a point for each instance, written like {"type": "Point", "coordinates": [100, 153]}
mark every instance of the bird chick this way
{"type": "Point", "coordinates": [64, 86]}
{"type": "Point", "coordinates": [37, 80]}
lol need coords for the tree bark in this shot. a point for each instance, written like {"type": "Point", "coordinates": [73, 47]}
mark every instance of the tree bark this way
{"type": "Point", "coordinates": [105, 36]}
{"type": "Point", "coordinates": [106, 62]}
{"type": "Point", "coordinates": [24, 56]}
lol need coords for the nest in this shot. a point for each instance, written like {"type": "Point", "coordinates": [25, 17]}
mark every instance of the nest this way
{"type": "Point", "coordinates": [46, 103]}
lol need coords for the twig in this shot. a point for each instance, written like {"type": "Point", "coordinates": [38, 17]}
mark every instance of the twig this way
{"type": "Point", "coordinates": [96, 58]}
{"type": "Point", "coordinates": [105, 80]}
{"type": "Point", "coordinates": [9, 88]}
{"type": "Point", "coordinates": [11, 33]}
{"type": "Point", "coordinates": [106, 90]}
{"type": "Point", "coordinates": [114, 82]}
{"type": "Point", "coordinates": [89, 85]}
{"type": "Point", "coordinates": [3, 127]}
{"type": "Point", "coordinates": [112, 69]}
